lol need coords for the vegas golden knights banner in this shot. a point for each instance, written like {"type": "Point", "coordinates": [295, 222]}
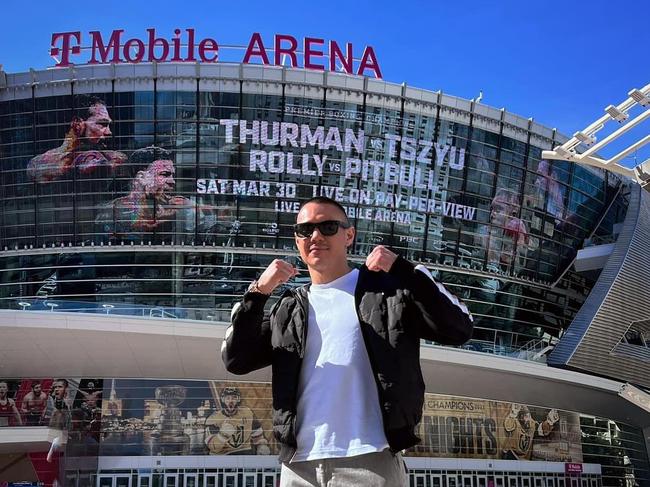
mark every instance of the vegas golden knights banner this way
{"type": "Point", "coordinates": [467, 428]}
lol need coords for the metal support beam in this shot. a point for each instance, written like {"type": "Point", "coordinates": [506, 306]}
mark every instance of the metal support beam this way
{"type": "Point", "coordinates": [587, 138]}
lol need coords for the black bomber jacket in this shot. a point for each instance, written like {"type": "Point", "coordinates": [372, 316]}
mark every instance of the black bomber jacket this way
{"type": "Point", "coordinates": [395, 309]}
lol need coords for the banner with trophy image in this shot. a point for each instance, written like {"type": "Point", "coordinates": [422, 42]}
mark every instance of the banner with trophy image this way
{"type": "Point", "coordinates": [148, 417]}
{"type": "Point", "coordinates": [457, 427]}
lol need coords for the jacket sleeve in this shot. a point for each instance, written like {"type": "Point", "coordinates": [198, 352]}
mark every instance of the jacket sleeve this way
{"type": "Point", "coordinates": [443, 318]}
{"type": "Point", "coordinates": [247, 344]}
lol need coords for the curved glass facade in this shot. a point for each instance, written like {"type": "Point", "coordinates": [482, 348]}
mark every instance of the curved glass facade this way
{"type": "Point", "coordinates": [166, 196]}
{"type": "Point", "coordinates": [205, 181]}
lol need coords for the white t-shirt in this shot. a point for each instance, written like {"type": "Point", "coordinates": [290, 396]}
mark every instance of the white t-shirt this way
{"type": "Point", "coordinates": [338, 412]}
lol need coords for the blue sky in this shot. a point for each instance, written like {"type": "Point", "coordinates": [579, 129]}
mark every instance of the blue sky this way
{"type": "Point", "coordinates": [559, 62]}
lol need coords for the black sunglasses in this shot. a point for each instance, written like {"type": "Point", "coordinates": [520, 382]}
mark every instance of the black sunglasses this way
{"type": "Point", "coordinates": [326, 228]}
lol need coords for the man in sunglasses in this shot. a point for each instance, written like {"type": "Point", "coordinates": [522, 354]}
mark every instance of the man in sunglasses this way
{"type": "Point", "coordinates": [344, 350]}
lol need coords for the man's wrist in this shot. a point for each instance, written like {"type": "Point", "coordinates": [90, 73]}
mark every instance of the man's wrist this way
{"type": "Point", "coordinates": [256, 288]}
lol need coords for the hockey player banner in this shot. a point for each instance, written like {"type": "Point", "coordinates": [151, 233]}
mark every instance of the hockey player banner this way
{"type": "Point", "coordinates": [147, 417]}
{"type": "Point", "coordinates": [162, 417]}
{"type": "Point", "coordinates": [533, 433]}
{"type": "Point", "coordinates": [469, 428]}
{"type": "Point", "coordinates": [243, 424]}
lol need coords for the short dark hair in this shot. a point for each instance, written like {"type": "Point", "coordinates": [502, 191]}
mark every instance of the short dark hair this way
{"type": "Point", "coordinates": [145, 156]}
{"type": "Point", "coordinates": [324, 200]}
{"type": "Point", "coordinates": [86, 102]}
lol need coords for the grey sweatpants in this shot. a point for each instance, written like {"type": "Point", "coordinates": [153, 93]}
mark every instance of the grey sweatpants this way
{"type": "Point", "coordinates": [381, 469]}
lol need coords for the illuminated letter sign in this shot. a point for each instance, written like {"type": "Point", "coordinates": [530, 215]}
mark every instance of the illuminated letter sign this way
{"type": "Point", "coordinates": [317, 54]}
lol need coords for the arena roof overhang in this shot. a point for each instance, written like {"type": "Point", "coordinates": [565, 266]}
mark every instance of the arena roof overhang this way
{"type": "Point", "coordinates": [78, 344]}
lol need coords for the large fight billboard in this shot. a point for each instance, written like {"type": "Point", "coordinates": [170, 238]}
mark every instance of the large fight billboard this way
{"type": "Point", "coordinates": [202, 177]}
{"type": "Point", "coordinates": [230, 169]}
{"type": "Point", "coordinates": [379, 175]}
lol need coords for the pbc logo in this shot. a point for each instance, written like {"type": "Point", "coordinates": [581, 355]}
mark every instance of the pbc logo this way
{"type": "Point", "coordinates": [408, 239]}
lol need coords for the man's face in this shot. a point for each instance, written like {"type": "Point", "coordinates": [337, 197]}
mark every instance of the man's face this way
{"type": "Point", "coordinates": [3, 389]}
{"type": "Point", "coordinates": [319, 251]}
{"type": "Point", "coordinates": [502, 210]}
{"type": "Point", "coordinates": [59, 389]}
{"type": "Point", "coordinates": [504, 216]}
{"type": "Point", "coordinates": [159, 180]}
{"type": "Point", "coordinates": [96, 127]}
{"type": "Point", "coordinates": [527, 420]}
{"type": "Point", "coordinates": [230, 404]}
{"type": "Point", "coordinates": [38, 389]}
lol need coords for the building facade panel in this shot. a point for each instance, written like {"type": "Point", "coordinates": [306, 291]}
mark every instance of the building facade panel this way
{"type": "Point", "coordinates": [610, 314]}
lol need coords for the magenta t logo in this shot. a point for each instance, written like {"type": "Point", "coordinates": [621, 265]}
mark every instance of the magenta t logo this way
{"type": "Point", "coordinates": [66, 49]}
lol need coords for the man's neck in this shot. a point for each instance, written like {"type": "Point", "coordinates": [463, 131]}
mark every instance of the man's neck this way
{"type": "Point", "coordinates": [324, 276]}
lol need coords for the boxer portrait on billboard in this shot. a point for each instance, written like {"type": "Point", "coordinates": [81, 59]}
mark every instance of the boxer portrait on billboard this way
{"type": "Point", "coordinates": [83, 149]}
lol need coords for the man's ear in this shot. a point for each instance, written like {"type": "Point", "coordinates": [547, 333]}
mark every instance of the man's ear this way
{"type": "Point", "coordinates": [78, 125]}
{"type": "Point", "coordinates": [349, 236]}
{"type": "Point", "coordinates": [138, 183]}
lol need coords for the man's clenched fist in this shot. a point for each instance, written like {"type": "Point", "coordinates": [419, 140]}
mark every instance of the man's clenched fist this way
{"type": "Point", "coordinates": [380, 259]}
{"type": "Point", "coordinates": [278, 272]}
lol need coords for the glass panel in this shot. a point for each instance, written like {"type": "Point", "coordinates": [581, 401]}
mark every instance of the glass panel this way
{"type": "Point", "coordinates": [122, 481]}
{"type": "Point", "coordinates": [105, 481]}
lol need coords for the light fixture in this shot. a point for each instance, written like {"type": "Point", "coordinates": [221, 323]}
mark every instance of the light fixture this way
{"type": "Point", "coordinates": [616, 114]}
{"type": "Point", "coordinates": [639, 97]}
{"type": "Point", "coordinates": [585, 138]}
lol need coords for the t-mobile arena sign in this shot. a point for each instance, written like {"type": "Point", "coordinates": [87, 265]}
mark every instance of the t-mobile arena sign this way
{"type": "Point", "coordinates": [309, 53]}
